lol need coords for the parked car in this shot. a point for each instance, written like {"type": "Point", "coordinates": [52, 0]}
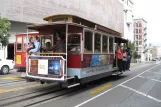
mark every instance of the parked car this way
{"type": "Point", "coordinates": [6, 65]}
{"type": "Point", "coordinates": [154, 60]}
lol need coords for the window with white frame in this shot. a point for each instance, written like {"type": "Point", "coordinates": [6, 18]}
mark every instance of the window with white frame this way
{"type": "Point", "coordinates": [105, 44]}
{"type": "Point", "coordinates": [97, 43]}
{"type": "Point", "coordinates": [88, 42]}
{"type": "Point", "coordinates": [111, 42]}
{"type": "Point", "coordinates": [19, 43]}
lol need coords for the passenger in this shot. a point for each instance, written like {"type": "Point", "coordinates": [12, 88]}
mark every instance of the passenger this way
{"type": "Point", "coordinates": [47, 47]}
{"type": "Point", "coordinates": [119, 58]}
{"type": "Point", "coordinates": [124, 63]}
{"type": "Point", "coordinates": [30, 45]}
{"type": "Point", "coordinates": [37, 47]}
{"type": "Point", "coordinates": [128, 59]}
{"type": "Point", "coordinates": [60, 45]}
{"type": "Point", "coordinates": [75, 49]}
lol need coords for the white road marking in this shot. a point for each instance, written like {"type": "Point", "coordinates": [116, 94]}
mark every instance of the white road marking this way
{"type": "Point", "coordinates": [153, 98]}
{"type": "Point", "coordinates": [113, 88]}
{"type": "Point", "coordinates": [150, 78]}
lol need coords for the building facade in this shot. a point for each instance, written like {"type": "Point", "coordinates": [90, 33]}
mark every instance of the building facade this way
{"type": "Point", "coordinates": [128, 19]}
{"type": "Point", "coordinates": [140, 38]}
{"type": "Point", "coordinates": [148, 53]}
{"type": "Point", "coordinates": [108, 13]}
{"type": "Point", "coordinates": [156, 52]}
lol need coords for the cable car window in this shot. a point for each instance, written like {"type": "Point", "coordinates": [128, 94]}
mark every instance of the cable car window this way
{"type": "Point", "coordinates": [88, 42]}
{"type": "Point", "coordinates": [111, 45]}
{"type": "Point", "coordinates": [105, 44]}
{"type": "Point", "coordinates": [46, 43]}
{"type": "Point", "coordinates": [19, 43]}
{"type": "Point", "coordinates": [25, 42]}
{"type": "Point", "coordinates": [97, 43]}
{"type": "Point", "coordinates": [74, 43]}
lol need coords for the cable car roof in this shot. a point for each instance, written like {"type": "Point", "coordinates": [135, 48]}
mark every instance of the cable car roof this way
{"type": "Point", "coordinates": [51, 24]}
{"type": "Point", "coordinates": [60, 20]}
{"type": "Point", "coordinates": [38, 27]}
{"type": "Point", "coordinates": [59, 15]}
{"type": "Point", "coordinates": [120, 40]}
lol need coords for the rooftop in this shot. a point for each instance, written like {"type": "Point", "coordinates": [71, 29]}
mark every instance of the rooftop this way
{"type": "Point", "coordinates": [130, 1]}
{"type": "Point", "coordinates": [140, 19]}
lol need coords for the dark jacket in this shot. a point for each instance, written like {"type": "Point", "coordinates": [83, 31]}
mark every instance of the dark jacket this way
{"type": "Point", "coordinates": [59, 46]}
{"type": "Point", "coordinates": [129, 55]}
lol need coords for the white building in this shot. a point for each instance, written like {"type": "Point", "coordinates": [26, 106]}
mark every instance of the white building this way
{"type": "Point", "coordinates": [148, 53]}
{"type": "Point", "coordinates": [140, 38]}
{"type": "Point", "coordinates": [156, 52]}
{"type": "Point", "coordinates": [128, 19]}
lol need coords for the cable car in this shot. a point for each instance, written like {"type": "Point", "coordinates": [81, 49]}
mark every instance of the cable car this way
{"type": "Point", "coordinates": [89, 51]}
{"type": "Point", "coordinates": [20, 49]}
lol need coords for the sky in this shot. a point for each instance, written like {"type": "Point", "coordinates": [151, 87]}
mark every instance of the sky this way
{"type": "Point", "coordinates": [150, 10]}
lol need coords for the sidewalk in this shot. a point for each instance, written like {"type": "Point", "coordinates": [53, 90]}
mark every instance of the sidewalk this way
{"type": "Point", "coordinates": [134, 64]}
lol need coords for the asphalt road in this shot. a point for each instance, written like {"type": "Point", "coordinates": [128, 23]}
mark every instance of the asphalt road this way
{"type": "Point", "coordinates": [140, 87]}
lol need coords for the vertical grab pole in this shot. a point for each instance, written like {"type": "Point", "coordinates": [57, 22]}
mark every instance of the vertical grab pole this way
{"type": "Point", "coordinates": [108, 45]}
{"type": "Point", "coordinates": [114, 49]}
{"type": "Point", "coordinates": [27, 61]}
{"type": "Point", "coordinates": [116, 52]}
{"type": "Point", "coordinates": [66, 48]}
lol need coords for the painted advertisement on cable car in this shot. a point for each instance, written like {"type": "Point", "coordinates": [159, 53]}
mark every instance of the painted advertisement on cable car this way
{"type": "Point", "coordinates": [97, 60]}
{"type": "Point", "coordinates": [51, 67]}
{"type": "Point", "coordinates": [96, 64]}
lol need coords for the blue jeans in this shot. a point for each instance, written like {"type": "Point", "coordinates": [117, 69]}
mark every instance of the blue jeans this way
{"type": "Point", "coordinates": [128, 64]}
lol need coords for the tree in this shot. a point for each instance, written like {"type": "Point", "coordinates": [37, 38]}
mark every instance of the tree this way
{"type": "Point", "coordinates": [131, 45]}
{"type": "Point", "coordinates": [4, 31]}
{"type": "Point", "coordinates": [139, 56]}
{"type": "Point", "coordinates": [135, 55]}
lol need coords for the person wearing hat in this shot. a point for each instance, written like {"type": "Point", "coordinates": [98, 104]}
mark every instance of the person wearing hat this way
{"type": "Point", "coordinates": [60, 45]}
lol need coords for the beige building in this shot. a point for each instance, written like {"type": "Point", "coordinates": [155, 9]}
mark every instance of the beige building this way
{"type": "Point", "coordinates": [108, 13]}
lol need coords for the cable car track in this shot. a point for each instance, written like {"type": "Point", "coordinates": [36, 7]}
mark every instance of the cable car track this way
{"type": "Point", "coordinates": [30, 92]}
{"type": "Point", "coordinates": [29, 100]}
{"type": "Point", "coordinates": [54, 97]}
{"type": "Point", "coordinates": [11, 81]}
{"type": "Point", "coordinates": [23, 98]}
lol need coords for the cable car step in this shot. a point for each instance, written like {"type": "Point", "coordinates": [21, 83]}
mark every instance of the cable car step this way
{"type": "Point", "coordinates": [73, 85]}
{"type": "Point", "coordinates": [68, 78]}
{"type": "Point", "coordinates": [117, 73]}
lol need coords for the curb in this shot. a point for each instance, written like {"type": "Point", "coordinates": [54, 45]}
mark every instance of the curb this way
{"type": "Point", "coordinates": [134, 64]}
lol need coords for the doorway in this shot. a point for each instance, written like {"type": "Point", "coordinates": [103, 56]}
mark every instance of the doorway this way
{"type": "Point", "coordinates": [10, 51]}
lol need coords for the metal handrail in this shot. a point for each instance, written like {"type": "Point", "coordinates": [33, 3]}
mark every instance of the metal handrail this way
{"type": "Point", "coordinates": [49, 53]}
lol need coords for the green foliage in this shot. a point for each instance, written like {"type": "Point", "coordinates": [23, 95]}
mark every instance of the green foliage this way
{"type": "Point", "coordinates": [4, 31]}
{"type": "Point", "coordinates": [131, 45]}
{"type": "Point", "coordinates": [139, 56]}
{"type": "Point", "coordinates": [136, 55]}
